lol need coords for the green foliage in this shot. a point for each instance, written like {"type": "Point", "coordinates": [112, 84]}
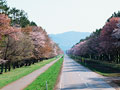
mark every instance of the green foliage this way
{"type": "Point", "coordinates": [96, 33]}
{"type": "Point", "coordinates": [18, 17]}
{"type": "Point", "coordinates": [33, 24]}
{"type": "Point", "coordinates": [3, 7]}
{"type": "Point", "coordinates": [24, 21]}
{"type": "Point", "coordinates": [114, 15]}
{"type": "Point", "coordinates": [50, 76]}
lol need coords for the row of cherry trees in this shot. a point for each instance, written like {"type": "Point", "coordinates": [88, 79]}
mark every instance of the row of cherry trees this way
{"type": "Point", "coordinates": [24, 46]}
{"type": "Point", "coordinates": [103, 44]}
{"type": "Point", "coordinates": [22, 42]}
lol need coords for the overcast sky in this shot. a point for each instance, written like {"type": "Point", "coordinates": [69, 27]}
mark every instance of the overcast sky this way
{"type": "Point", "coordinates": [57, 16]}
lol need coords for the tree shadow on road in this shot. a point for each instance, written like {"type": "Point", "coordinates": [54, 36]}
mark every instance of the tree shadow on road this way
{"type": "Point", "coordinates": [75, 68]}
{"type": "Point", "coordinates": [92, 86]}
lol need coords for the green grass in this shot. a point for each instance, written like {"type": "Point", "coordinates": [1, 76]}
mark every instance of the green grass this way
{"type": "Point", "coordinates": [109, 74]}
{"type": "Point", "coordinates": [16, 74]}
{"type": "Point", "coordinates": [50, 76]}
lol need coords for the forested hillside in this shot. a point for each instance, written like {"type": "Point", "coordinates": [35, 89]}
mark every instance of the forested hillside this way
{"type": "Point", "coordinates": [22, 42]}
{"type": "Point", "coordinates": [103, 44]}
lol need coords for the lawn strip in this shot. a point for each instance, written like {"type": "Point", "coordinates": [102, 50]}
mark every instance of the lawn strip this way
{"type": "Point", "coordinates": [50, 77]}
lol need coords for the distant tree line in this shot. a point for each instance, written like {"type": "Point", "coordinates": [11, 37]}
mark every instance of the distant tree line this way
{"type": "Point", "coordinates": [103, 44]}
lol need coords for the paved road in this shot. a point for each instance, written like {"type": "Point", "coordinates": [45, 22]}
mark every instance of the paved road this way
{"type": "Point", "coordinates": [76, 77]}
{"type": "Point", "coordinates": [26, 80]}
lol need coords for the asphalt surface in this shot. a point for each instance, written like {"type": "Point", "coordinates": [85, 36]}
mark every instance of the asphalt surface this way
{"type": "Point", "coordinates": [76, 77]}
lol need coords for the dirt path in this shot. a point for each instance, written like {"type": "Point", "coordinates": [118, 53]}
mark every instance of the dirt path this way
{"type": "Point", "coordinates": [26, 80]}
{"type": "Point", "coordinates": [77, 77]}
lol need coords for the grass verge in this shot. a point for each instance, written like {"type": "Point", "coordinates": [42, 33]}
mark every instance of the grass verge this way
{"type": "Point", "coordinates": [50, 76]}
{"type": "Point", "coordinates": [16, 74]}
{"type": "Point", "coordinates": [102, 70]}
{"type": "Point", "coordinates": [101, 67]}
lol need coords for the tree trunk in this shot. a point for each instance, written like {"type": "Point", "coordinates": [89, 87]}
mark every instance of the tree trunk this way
{"type": "Point", "coordinates": [109, 57]}
{"type": "Point", "coordinates": [9, 67]}
{"type": "Point", "coordinates": [5, 67]}
{"type": "Point", "coordinates": [118, 58]}
{"type": "Point", "coordinates": [14, 65]}
{"type": "Point", "coordinates": [2, 66]}
{"type": "Point", "coordinates": [6, 49]}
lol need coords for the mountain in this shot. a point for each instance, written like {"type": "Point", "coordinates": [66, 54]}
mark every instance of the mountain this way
{"type": "Point", "coordinates": [67, 39]}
